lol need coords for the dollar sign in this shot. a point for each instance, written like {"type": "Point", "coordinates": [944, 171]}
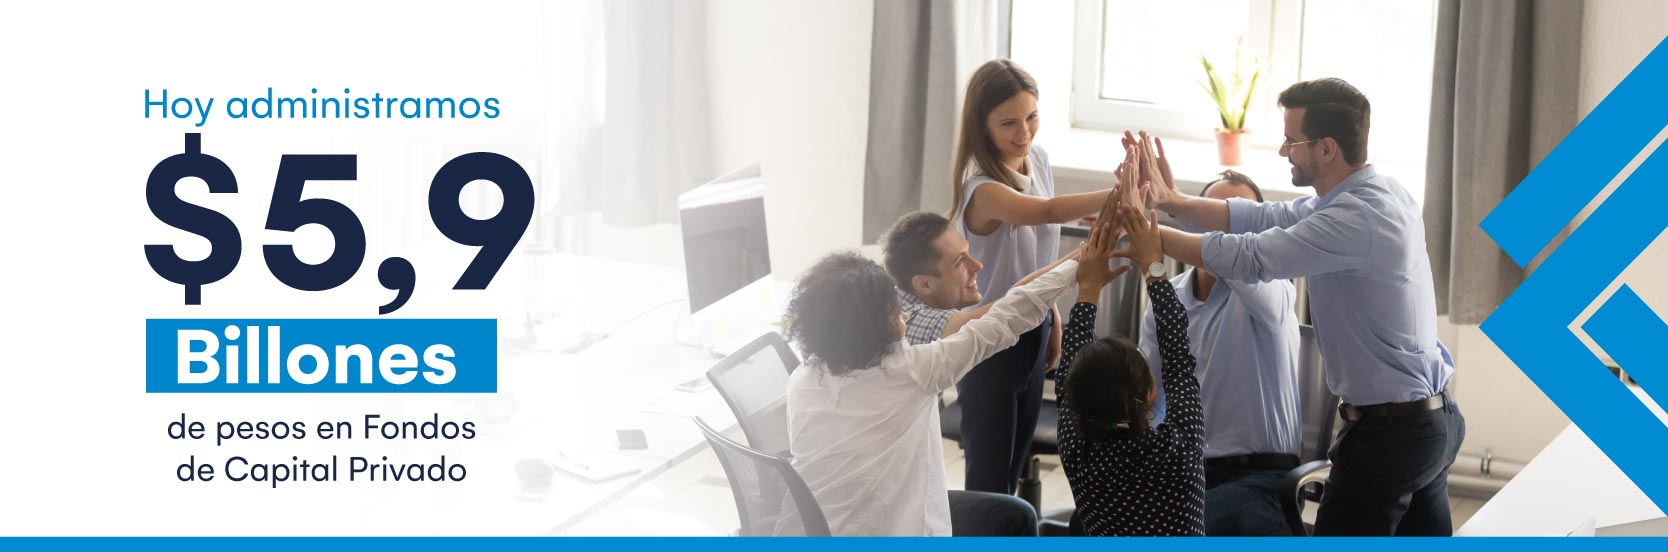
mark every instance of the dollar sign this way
{"type": "Point", "coordinates": [226, 246]}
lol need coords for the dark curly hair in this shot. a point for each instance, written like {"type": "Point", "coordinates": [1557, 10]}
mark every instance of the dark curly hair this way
{"type": "Point", "coordinates": [844, 312]}
{"type": "Point", "coordinates": [1109, 383]}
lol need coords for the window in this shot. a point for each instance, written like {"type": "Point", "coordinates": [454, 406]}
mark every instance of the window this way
{"type": "Point", "coordinates": [1136, 63]}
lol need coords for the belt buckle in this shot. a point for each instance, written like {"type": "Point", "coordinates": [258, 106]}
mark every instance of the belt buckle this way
{"type": "Point", "coordinates": [1349, 413]}
{"type": "Point", "coordinates": [1436, 402]}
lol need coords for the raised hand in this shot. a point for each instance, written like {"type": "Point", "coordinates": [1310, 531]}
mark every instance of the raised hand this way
{"type": "Point", "coordinates": [1161, 183]}
{"type": "Point", "coordinates": [1131, 175]}
{"type": "Point", "coordinates": [1093, 267]}
{"type": "Point", "coordinates": [1145, 246]}
{"type": "Point", "coordinates": [1161, 161]}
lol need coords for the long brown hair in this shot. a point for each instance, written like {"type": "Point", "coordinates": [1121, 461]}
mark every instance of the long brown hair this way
{"type": "Point", "coordinates": [1109, 384]}
{"type": "Point", "coordinates": [996, 81]}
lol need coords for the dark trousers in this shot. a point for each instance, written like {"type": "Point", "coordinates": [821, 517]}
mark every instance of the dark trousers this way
{"type": "Point", "coordinates": [1390, 475]}
{"type": "Point", "coordinates": [976, 514]}
{"type": "Point", "coordinates": [1000, 400]}
{"type": "Point", "coordinates": [1243, 502]}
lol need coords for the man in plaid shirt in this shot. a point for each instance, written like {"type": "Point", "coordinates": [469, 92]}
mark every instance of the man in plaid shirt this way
{"type": "Point", "coordinates": [936, 276]}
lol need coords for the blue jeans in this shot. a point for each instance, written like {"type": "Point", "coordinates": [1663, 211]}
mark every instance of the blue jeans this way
{"type": "Point", "coordinates": [976, 514]}
{"type": "Point", "coordinates": [1243, 502]}
{"type": "Point", "coordinates": [1390, 475]}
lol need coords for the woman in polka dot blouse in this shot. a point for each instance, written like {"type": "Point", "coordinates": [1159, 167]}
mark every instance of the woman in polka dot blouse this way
{"type": "Point", "coordinates": [1129, 478]}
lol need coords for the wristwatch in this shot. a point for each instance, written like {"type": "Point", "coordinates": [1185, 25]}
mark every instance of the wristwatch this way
{"type": "Point", "coordinates": [1156, 270]}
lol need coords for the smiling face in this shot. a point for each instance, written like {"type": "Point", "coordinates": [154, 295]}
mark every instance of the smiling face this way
{"type": "Point", "coordinates": [957, 283]}
{"type": "Point", "coordinates": [1012, 125]}
{"type": "Point", "coordinates": [1303, 156]}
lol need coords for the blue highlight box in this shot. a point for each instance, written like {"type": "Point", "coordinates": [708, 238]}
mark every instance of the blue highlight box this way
{"type": "Point", "coordinates": [321, 355]}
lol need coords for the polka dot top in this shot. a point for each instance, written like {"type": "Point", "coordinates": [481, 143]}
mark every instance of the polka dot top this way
{"type": "Point", "coordinates": [1152, 485]}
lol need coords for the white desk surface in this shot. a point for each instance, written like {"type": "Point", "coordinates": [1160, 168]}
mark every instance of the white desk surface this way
{"type": "Point", "coordinates": [1569, 481]}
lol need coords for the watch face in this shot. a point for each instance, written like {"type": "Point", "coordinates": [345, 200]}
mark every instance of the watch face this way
{"type": "Point", "coordinates": [1155, 270]}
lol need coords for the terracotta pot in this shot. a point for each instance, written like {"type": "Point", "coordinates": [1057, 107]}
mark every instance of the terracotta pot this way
{"type": "Point", "coordinates": [1228, 145]}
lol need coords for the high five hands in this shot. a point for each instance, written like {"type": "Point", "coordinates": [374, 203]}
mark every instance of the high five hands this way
{"type": "Point", "coordinates": [1144, 181]}
{"type": "Point", "coordinates": [1152, 166]}
{"type": "Point", "coordinates": [1094, 270]}
{"type": "Point", "coordinates": [1145, 245]}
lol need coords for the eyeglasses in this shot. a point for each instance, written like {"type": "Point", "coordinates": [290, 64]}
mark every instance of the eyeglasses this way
{"type": "Point", "coordinates": [1288, 143]}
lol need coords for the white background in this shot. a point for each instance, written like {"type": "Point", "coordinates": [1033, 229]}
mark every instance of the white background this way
{"type": "Point", "coordinates": [85, 450]}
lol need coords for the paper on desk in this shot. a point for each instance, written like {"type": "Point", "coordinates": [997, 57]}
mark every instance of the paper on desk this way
{"type": "Point", "coordinates": [1583, 530]}
{"type": "Point", "coordinates": [597, 467]}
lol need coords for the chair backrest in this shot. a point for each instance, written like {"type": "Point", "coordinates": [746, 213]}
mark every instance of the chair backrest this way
{"type": "Point", "coordinates": [1319, 406]}
{"type": "Point", "coordinates": [771, 498]}
{"type": "Point", "coordinates": [754, 382]}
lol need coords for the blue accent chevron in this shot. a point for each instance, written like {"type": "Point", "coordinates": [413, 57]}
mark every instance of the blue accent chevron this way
{"type": "Point", "coordinates": [1532, 326]}
{"type": "Point", "coordinates": [1633, 335]}
{"type": "Point", "coordinates": [1579, 168]}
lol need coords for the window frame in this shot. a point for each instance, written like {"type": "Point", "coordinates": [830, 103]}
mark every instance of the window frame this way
{"type": "Point", "coordinates": [1274, 33]}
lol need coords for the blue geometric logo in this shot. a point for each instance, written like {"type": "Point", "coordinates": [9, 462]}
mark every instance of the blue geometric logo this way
{"type": "Point", "coordinates": [1535, 325]}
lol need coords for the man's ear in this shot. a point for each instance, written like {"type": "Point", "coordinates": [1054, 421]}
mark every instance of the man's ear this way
{"type": "Point", "coordinates": [921, 284]}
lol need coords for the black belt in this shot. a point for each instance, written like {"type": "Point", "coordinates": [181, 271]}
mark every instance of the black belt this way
{"type": "Point", "coordinates": [1255, 461]}
{"type": "Point", "coordinates": [1352, 413]}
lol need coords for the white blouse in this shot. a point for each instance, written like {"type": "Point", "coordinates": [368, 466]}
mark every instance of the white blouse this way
{"type": "Point", "coordinates": [868, 442]}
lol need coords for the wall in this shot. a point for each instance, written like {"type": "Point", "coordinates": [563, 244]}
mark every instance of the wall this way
{"type": "Point", "coordinates": [792, 93]}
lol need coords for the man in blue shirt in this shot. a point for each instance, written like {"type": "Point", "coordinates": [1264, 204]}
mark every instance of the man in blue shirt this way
{"type": "Point", "coordinates": [1361, 244]}
{"type": "Point", "coordinates": [1245, 338]}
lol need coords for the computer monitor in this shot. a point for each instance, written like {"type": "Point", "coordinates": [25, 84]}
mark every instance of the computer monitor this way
{"type": "Point", "coordinates": [725, 247]}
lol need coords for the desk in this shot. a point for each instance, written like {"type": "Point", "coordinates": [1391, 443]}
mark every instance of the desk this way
{"type": "Point", "coordinates": [1569, 481]}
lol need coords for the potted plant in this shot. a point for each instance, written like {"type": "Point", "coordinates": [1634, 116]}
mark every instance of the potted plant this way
{"type": "Point", "coordinates": [1233, 99]}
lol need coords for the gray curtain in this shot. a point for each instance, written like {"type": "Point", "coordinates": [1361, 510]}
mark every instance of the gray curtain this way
{"type": "Point", "coordinates": [1505, 92]}
{"type": "Point", "coordinates": [627, 148]}
{"type": "Point", "coordinates": [921, 57]}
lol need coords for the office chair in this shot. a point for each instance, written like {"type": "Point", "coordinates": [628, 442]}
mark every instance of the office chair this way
{"type": "Point", "coordinates": [771, 498]}
{"type": "Point", "coordinates": [754, 382]}
{"type": "Point", "coordinates": [1319, 415]}
{"type": "Point", "coordinates": [1047, 441]}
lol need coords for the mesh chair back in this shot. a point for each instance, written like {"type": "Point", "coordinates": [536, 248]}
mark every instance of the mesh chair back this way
{"type": "Point", "coordinates": [1319, 407]}
{"type": "Point", "coordinates": [771, 498]}
{"type": "Point", "coordinates": [754, 382]}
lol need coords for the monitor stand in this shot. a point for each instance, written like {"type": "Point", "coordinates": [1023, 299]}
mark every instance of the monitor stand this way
{"type": "Point", "coordinates": [729, 324]}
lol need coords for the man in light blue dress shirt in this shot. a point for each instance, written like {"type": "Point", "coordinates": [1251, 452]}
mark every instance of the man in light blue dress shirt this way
{"type": "Point", "coordinates": [1361, 244]}
{"type": "Point", "coordinates": [1244, 335]}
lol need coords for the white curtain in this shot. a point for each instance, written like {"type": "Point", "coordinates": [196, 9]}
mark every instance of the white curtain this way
{"type": "Point", "coordinates": [923, 53]}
